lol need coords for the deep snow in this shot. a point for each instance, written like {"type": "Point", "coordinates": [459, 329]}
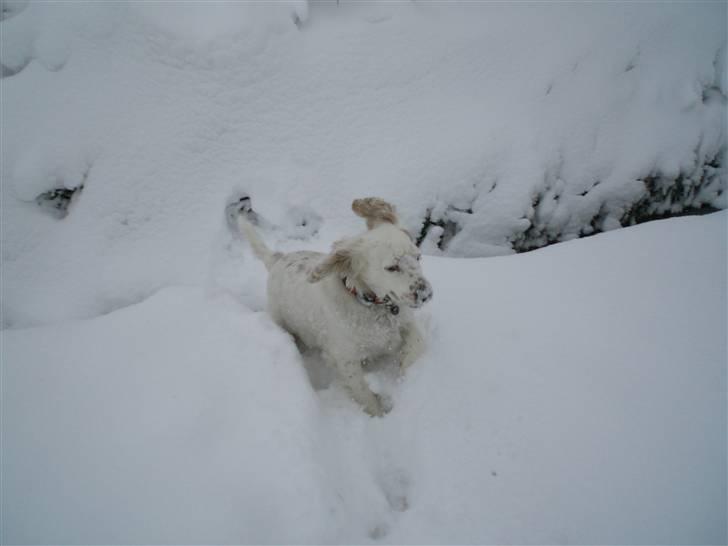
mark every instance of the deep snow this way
{"type": "Point", "coordinates": [575, 394]}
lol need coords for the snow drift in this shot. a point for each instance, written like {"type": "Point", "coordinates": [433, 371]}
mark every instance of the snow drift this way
{"type": "Point", "coordinates": [575, 394]}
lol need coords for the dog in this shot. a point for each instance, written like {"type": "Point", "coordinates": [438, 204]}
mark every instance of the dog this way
{"type": "Point", "coordinates": [355, 303]}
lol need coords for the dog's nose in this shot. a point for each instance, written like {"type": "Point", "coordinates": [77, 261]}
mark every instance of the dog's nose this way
{"type": "Point", "coordinates": [423, 291]}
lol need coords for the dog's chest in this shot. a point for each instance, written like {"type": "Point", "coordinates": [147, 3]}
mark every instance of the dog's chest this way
{"type": "Point", "coordinates": [376, 334]}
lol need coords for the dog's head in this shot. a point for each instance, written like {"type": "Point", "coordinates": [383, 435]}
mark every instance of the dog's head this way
{"type": "Point", "coordinates": [383, 262]}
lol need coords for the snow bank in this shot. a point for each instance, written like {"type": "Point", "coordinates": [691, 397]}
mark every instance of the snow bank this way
{"type": "Point", "coordinates": [494, 128]}
{"type": "Point", "coordinates": [573, 394]}
{"type": "Point", "coordinates": [184, 419]}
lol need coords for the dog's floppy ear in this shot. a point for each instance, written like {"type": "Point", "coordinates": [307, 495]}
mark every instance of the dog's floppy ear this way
{"type": "Point", "coordinates": [375, 211]}
{"type": "Point", "coordinates": [339, 261]}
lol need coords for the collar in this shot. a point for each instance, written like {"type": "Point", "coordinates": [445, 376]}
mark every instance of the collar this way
{"type": "Point", "coordinates": [370, 298]}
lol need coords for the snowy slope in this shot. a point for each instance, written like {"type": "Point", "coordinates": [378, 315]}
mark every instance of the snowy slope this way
{"type": "Point", "coordinates": [494, 127]}
{"type": "Point", "coordinates": [575, 394]}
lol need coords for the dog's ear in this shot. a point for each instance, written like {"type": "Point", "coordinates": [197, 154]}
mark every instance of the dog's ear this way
{"type": "Point", "coordinates": [375, 211]}
{"type": "Point", "coordinates": [339, 261]}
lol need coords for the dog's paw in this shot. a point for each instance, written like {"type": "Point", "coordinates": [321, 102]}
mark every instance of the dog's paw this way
{"type": "Point", "coordinates": [374, 410]}
{"type": "Point", "coordinates": [379, 406]}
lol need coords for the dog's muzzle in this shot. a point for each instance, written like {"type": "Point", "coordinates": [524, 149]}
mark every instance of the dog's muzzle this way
{"type": "Point", "coordinates": [421, 293]}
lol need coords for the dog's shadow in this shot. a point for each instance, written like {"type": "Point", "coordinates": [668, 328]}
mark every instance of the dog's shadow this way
{"type": "Point", "coordinates": [381, 375]}
{"type": "Point", "coordinates": [319, 374]}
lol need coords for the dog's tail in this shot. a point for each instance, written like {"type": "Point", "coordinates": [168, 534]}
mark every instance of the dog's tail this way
{"type": "Point", "coordinates": [261, 251]}
{"type": "Point", "coordinates": [241, 217]}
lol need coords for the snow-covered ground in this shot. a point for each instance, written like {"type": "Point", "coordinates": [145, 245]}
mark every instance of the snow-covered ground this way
{"type": "Point", "coordinates": [575, 394]}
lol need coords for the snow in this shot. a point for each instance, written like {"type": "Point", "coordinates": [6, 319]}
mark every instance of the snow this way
{"type": "Point", "coordinates": [543, 120]}
{"type": "Point", "coordinates": [574, 394]}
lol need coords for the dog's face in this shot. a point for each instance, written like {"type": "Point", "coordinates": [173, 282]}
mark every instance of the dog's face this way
{"type": "Point", "coordinates": [383, 262]}
{"type": "Point", "coordinates": [389, 265]}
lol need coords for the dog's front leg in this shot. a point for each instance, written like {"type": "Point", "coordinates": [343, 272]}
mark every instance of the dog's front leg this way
{"type": "Point", "coordinates": [352, 377]}
{"type": "Point", "coordinates": [413, 345]}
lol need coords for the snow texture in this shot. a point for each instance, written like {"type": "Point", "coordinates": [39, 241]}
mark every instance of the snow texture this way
{"type": "Point", "coordinates": [575, 394]}
{"type": "Point", "coordinates": [494, 127]}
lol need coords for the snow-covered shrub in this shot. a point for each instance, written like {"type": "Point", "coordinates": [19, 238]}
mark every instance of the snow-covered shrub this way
{"type": "Point", "coordinates": [697, 192]}
{"type": "Point", "coordinates": [493, 128]}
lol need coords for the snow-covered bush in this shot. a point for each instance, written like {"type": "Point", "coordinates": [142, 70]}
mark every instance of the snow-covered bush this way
{"type": "Point", "coordinates": [494, 128]}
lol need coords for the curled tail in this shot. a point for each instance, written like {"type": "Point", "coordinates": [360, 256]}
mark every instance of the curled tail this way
{"type": "Point", "coordinates": [241, 218]}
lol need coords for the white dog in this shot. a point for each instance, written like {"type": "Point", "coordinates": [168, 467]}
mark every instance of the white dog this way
{"type": "Point", "coordinates": [354, 304]}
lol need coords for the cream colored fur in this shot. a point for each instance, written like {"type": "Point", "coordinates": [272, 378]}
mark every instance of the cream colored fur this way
{"type": "Point", "coordinates": [309, 295]}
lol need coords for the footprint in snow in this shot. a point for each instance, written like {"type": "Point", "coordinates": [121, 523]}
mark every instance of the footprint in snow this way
{"type": "Point", "coordinates": [379, 532]}
{"type": "Point", "coordinates": [395, 486]}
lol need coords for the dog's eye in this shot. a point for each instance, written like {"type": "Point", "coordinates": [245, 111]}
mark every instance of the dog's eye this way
{"type": "Point", "coordinates": [419, 257]}
{"type": "Point", "coordinates": [393, 268]}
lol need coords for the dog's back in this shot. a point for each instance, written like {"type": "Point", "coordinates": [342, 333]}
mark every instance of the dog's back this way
{"type": "Point", "coordinates": [288, 282]}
